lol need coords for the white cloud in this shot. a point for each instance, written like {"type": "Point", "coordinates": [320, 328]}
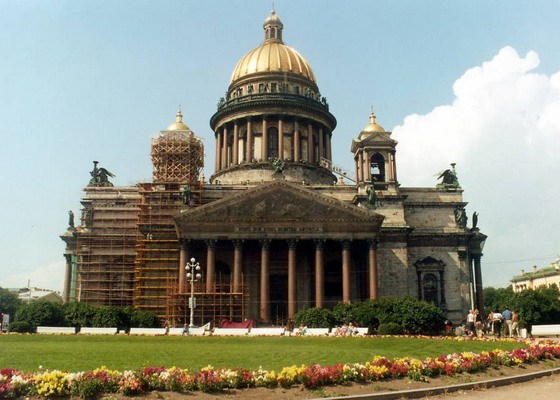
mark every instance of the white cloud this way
{"type": "Point", "coordinates": [50, 276]}
{"type": "Point", "coordinates": [503, 131]}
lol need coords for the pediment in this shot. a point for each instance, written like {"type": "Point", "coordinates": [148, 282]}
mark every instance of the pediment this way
{"type": "Point", "coordinates": [375, 139]}
{"type": "Point", "coordinates": [278, 208]}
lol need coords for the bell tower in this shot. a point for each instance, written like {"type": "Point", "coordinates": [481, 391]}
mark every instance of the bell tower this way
{"type": "Point", "coordinates": [374, 157]}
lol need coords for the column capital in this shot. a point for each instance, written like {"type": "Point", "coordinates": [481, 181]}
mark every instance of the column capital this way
{"type": "Point", "coordinates": [292, 243]}
{"type": "Point", "coordinates": [265, 243]}
{"type": "Point", "coordinates": [211, 243]}
{"type": "Point", "coordinates": [319, 244]}
{"type": "Point", "coordinates": [346, 244]}
{"type": "Point", "coordinates": [238, 243]}
{"type": "Point", "coordinates": [372, 243]}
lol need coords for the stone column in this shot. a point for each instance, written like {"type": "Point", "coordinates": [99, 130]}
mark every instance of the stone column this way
{"type": "Point", "coordinates": [321, 153]}
{"type": "Point", "coordinates": [367, 169]}
{"type": "Point", "coordinates": [394, 157]}
{"type": "Point", "coordinates": [360, 176]}
{"type": "Point", "coordinates": [372, 269]}
{"type": "Point", "coordinates": [281, 139]}
{"type": "Point", "coordinates": [210, 265]}
{"type": "Point", "coordinates": [346, 271]}
{"type": "Point", "coordinates": [249, 149]}
{"type": "Point", "coordinates": [183, 258]}
{"type": "Point", "coordinates": [265, 281]}
{"type": "Point", "coordinates": [310, 143]}
{"type": "Point", "coordinates": [319, 273]}
{"type": "Point", "coordinates": [292, 288]}
{"type": "Point", "coordinates": [235, 151]}
{"type": "Point", "coordinates": [479, 292]}
{"type": "Point", "coordinates": [297, 150]}
{"type": "Point", "coordinates": [67, 276]}
{"type": "Point", "coordinates": [237, 257]}
{"type": "Point", "coordinates": [224, 148]}
{"type": "Point", "coordinates": [218, 149]}
{"type": "Point", "coordinates": [329, 149]}
{"type": "Point", "coordinates": [264, 141]}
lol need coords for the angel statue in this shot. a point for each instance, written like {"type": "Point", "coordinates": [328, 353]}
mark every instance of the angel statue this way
{"type": "Point", "coordinates": [448, 178]}
{"type": "Point", "coordinates": [100, 176]}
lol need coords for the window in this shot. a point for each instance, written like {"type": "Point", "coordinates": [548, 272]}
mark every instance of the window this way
{"type": "Point", "coordinates": [430, 289]}
{"type": "Point", "coordinates": [377, 165]}
{"type": "Point", "coordinates": [272, 138]}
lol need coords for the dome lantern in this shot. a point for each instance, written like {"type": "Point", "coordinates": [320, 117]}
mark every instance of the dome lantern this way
{"type": "Point", "coordinates": [273, 28]}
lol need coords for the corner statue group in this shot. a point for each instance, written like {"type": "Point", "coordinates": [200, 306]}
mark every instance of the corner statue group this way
{"type": "Point", "coordinates": [100, 176]}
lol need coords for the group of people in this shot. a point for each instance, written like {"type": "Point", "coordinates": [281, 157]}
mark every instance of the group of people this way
{"type": "Point", "coordinates": [497, 323]}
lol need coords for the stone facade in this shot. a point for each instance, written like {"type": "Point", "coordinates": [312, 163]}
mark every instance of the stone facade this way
{"type": "Point", "coordinates": [279, 228]}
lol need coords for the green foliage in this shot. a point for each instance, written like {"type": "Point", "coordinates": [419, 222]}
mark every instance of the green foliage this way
{"type": "Point", "coordinates": [315, 318]}
{"type": "Point", "coordinates": [40, 313]}
{"type": "Point", "coordinates": [9, 302]}
{"type": "Point", "coordinates": [390, 328]}
{"type": "Point", "coordinates": [418, 317]}
{"type": "Point", "coordinates": [539, 305]}
{"type": "Point", "coordinates": [497, 298]}
{"type": "Point", "coordinates": [111, 316]}
{"type": "Point", "coordinates": [20, 327]}
{"type": "Point", "coordinates": [78, 314]}
{"type": "Point", "coordinates": [535, 306]}
{"type": "Point", "coordinates": [144, 319]}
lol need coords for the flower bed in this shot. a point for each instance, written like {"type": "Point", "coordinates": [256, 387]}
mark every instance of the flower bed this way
{"type": "Point", "coordinates": [90, 384]}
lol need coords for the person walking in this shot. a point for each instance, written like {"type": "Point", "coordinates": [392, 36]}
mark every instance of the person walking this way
{"type": "Point", "coordinates": [497, 323]}
{"type": "Point", "coordinates": [507, 318]}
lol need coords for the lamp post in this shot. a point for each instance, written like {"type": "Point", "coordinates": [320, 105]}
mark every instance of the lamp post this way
{"type": "Point", "coordinates": [193, 275]}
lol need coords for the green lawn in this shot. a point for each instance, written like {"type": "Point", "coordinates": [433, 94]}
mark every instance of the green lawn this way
{"type": "Point", "coordinates": [78, 353]}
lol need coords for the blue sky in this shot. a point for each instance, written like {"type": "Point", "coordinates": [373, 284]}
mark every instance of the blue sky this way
{"type": "Point", "coordinates": [474, 82]}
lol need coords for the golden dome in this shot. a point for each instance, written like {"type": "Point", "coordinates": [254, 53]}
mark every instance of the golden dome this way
{"type": "Point", "coordinates": [178, 125]}
{"type": "Point", "coordinates": [273, 55]}
{"type": "Point", "coordinates": [372, 127]}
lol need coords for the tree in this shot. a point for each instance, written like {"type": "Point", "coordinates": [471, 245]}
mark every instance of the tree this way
{"type": "Point", "coordinates": [540, 305]}
{"type": "Point", "coordinates": [144, 319]}
{"type": "Point", "coordinates": [111, 316]}
{"type": "Point", "coordinates": [40, 313]}
{"type": "Point", "coordinates": [9, 302]}
{"type": "Point", "coordinates": [497, 298]}
{"type": "Point", "coordinates": [78, 314]}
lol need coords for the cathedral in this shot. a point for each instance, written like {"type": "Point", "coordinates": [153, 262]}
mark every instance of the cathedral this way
{"type": "Point", "coordinates": [278, 227]}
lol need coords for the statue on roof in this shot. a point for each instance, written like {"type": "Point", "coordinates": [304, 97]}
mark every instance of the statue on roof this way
{"type": "Point", "coordinates": [70, 219]}
{"type": "Point", "coordinates": [475, 220]}
{"type": "Point", "coordinates": [100, 176]}
{"type": "Point", "coordinates": [461, 217]}
{"type": "Point", "coordinates": [448, 178]}
{"type": "Point", "coordinates": [371, 197]}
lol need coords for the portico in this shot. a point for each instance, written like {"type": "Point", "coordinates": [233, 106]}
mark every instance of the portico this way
{"type": "Point", "coordinates": [284, 245]}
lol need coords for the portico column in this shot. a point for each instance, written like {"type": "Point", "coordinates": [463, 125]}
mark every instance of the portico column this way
{"type": "Point", "coordinates": [372, 268]}
{"type": "Point", "coordinates": [367, 169]}
{"type": "Point", "coordinates": [210, 265]}
{"type": "Point", "coordinates": [265, 281]}
{"type": "Point", "coordinates": [281, 139]}
{"type": "Point", "coordinates": [237, 256]}
{"type": "Point", "coordinates": [346, 271]}
{"type": "Point", "coordinates": [183, 257]}
{"type": "Point", "coordinates": [319, 273]}
{"type": "Point", "coordinates": [297, 155]}
{"type": "Point", "coordinates": [292, 289]}
{"type": "Point", "coordinates": [67, 275]}
{"type": "Point", "coordinates": [360, 176]}
{"type": "Point", "coordinates": [249, 149]}
{"type": "Point", "coordinates": [235, 151]}
{"type": "Point", "coordinates": [264, 141]}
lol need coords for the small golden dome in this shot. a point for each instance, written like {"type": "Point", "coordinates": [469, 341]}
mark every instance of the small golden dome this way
{"type": "Point", "coordinates": [372, 127]}
{"type": "Point", "coordinates": [178, 125]}
{"type": "Point", "coordinates": [273, 55]}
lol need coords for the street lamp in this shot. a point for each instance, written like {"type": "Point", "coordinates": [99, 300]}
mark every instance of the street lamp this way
{"type": "Point", "coordinates": [193, 275]}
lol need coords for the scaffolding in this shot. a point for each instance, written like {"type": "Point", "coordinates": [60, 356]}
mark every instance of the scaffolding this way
{"type": "Point", "coordinates": [177, 156]}
{"type": "Point", "coordinates": [222, 303]}
{"type": "Point", "coordinates": [105, 247]}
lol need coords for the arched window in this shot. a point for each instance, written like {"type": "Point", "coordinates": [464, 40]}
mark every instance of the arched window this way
{"type": "Point", "coordinates": [272, 138]}
{"type": "Point", "coordinates": [430, 289]}
{"type": "Point", "coordinates": [377, 165]}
